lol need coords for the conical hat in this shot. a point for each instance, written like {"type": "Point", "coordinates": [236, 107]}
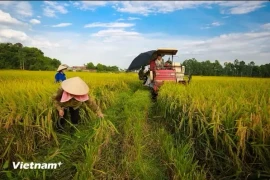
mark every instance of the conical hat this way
{"type": "Point", "coordinates": [61, 67]}
{"type": "Point", "coordinates": [64, 65]}
{"type": "Point", "coordinates": [75, 86]}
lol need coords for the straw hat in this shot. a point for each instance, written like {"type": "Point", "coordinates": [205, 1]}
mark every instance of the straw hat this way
{"type": "Point", "coordinates": [75, 86]}
{"type": "Point", "coordinates": [61, 67]}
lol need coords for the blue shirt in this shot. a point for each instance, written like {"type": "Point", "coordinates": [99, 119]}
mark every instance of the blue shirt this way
{"type": "Point", "coordinates": [60, 76]}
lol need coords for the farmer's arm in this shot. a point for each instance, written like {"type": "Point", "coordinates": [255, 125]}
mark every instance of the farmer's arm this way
{"type": "Point", "coordinates": [91, 103]}
{"type": "Point", "coordinates": [55, 78]}
{"type": "Point", "coordinates": [56, 99]}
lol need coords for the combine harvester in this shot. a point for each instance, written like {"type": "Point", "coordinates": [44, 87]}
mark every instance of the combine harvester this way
{"type": "Point", "coordinates": [172, 71]}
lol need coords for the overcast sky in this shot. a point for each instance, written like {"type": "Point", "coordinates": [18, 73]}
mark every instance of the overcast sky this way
{"type": "Point", "coordinates": [114, 33]}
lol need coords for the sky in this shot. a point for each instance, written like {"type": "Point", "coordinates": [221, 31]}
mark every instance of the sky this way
{"type": "Point", "coordinates": [115, 32]}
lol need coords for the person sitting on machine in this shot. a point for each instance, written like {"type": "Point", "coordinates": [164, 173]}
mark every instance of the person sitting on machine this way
{"type": "Point", "coordinates": [168, 64]}
{"type": "Point", "coordinates": [159, 62]}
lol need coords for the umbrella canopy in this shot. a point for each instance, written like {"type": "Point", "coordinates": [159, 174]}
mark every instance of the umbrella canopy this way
{"type": "Point", "coordinates": [142, 59]}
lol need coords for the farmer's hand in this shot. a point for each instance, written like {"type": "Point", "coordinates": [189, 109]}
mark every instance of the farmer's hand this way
{"type": "Point", "coordinates": [100, 115]}
{"type": "Point", "coordinates": [61, 113]}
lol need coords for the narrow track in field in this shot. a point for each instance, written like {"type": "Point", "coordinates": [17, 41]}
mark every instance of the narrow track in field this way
{"type": "Point", "coordinates": [134, 152]}
{"type": "Point", "coordinates": [137, 152]}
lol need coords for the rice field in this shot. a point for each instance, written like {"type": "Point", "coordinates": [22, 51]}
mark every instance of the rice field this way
{"type": "Point", "coordinates": [214, 128]}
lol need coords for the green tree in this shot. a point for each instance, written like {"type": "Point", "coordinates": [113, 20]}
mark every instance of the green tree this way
{"type": "Point", "coordinates": [90, 65]}
{"type": "Point", "coordinates": [218, 68]}
{"type": "Point", "coordinates": [235, 68]}
{"type": "Point", "coordinates": [251, 66]}
{"type": "Point", "coordinates": [241, 68]}
{"type": "Point", "coordinates": [16, 56]}
{"type": "Point", "coordinates": [100, 67]}
{"type": "Point", "coordinates": [265, 70]}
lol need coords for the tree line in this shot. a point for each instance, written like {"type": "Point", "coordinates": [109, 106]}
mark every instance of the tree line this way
{"type": "Point", "coordinates": [16, 56]}
{"type": "Point", "coordinates": [236, 68]}
{"type": "Point", "coordinates": [102, 68]}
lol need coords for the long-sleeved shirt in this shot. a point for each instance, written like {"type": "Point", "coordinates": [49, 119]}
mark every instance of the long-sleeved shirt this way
{"type": "Point", "coordinates": [152, 65]}
{"type": "Point", "coordinates": [60, 76]}
{"type": "Point", "coordinates": [159, 63]}
{"type": "Point", "coordinates": [73, 103]}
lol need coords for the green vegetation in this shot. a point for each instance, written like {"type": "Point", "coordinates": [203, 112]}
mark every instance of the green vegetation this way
{"type": "Point", "coordinates": [102, 68]}
{"type": "Point", "coordinates": [226, 119]}
{"type": "Point", "coordinates": [214, 128]}
{"type": "Point", "coordinates": [237, 68]}
{"type": "Point", "coordinates": [15, 56]}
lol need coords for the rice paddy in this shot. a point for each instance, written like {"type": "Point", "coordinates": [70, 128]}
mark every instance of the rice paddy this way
{"type": "Point", "coordinates": [214, 128]}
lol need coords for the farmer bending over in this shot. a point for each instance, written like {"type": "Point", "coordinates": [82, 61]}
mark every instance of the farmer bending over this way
{"type": "Point", "coordinates": [70, 97]}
